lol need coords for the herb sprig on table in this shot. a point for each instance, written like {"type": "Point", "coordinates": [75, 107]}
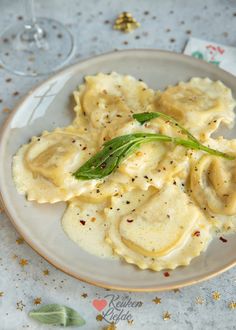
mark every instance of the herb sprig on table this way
{"type": "Point", "coordinates": [116, 150]}
{"type": "Point", "coordinates": [55, 314]}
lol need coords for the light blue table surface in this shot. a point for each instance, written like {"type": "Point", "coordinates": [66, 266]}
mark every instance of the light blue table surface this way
{"type": "Point", "coordinates": [165, 25]}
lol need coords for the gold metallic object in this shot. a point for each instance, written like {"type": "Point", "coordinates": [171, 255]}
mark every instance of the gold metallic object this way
{"type": "Point", "coordinates": [126, 23]}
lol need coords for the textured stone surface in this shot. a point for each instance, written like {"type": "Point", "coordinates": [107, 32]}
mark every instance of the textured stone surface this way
{"type": "Point", "coordinates": [164, 25]}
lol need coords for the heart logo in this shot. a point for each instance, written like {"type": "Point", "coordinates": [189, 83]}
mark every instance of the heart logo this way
{"type": "Point", "coordinates": [99, 304]}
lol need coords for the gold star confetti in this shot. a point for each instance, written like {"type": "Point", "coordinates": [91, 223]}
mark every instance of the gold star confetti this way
{"type": "Point", "coordinates": [111, 326]}
{"type": "Point", "coordinates": [23, 262]}
{"type": "Point", "coordinates": [216, 295]}
{"type": "Point", "coordinates": [37, 301]}
{"type": "Point", "coordinates": [176, 290]}
{"type": "Point", "coordinates": [19, 240]}
{"type": "Point", "coordinates": [166, 316]}
{"type": "Point", "coordinates": [1, 293]}
{"type": "Point", "coordinates": [157, 300]}
{"type": "Point", "coordinates": [46, 272]}
{"type": "Point", "coordinates": [199, 300]}
{"type": "Point", "coordinates": [126, 23]}
{"type": "Point", "coordinates": [84, 295]}
{"type": "Point", "coordinates": [130, 322]}
{"type": "Point", "coordinates": [20, 306]}
{"type": "Point", "coordinates": [99, 317]}
{"type": "Point", "coordinates": [232, 305]}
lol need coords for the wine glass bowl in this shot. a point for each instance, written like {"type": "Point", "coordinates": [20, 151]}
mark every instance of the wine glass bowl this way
{"type": "Point", "coordinates": [36, 46]}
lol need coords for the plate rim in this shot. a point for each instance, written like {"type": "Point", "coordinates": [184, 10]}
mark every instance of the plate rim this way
{"type": "Point", "coordinates": [27, 238]}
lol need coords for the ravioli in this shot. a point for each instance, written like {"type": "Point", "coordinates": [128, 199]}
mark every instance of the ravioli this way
{"type": "Point", "coordinates": [156, 163]}
{"type": "Point", "coordinates": [109, 100]}
{"type": "Point", "coordinates": [43, 169]}
{"type": "Point", "coordinates": [213, 185]}
{"type": "Point", "coordinates": [158, 230]}
{"type": "Point", "coordinates": [200, 104]}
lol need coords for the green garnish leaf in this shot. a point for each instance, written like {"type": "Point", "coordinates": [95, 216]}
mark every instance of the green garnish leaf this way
{"type": "Point", "coordinates": [116, 150]}
{"type": "Point", "coordinates": [55, 314]}
{"type": "Point", "coordinates": [143, 117]}
{"type": "Point", "coordinates": [147, 116]}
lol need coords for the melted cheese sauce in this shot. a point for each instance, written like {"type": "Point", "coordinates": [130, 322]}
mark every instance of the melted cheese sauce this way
{"type": "Point", "coordinates": [86, 225]}
{"type": "Point", "coordinates": [162, 206]}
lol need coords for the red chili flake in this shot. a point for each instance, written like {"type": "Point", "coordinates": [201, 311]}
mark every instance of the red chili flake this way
{"type": "Point", "coordinates": [224, 240]}
{"type": "Point", "coordinates": [82, 222]}
{"type": "Point", "coordinates": [166, 274]}
{"type": "Point", "coordinates": [130, 220]}
{"type": "Point", "coordinates": [197, 233]}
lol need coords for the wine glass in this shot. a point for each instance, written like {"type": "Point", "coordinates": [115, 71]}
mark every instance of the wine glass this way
{"type": "Point", "coordinates": [35, 46]}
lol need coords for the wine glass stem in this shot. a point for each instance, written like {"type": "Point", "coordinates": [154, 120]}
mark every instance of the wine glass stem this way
{"type": "Point", "coordinates": [32, 31]}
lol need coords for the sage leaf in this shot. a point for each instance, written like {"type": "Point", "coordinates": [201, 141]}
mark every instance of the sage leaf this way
{"type": "Point", "coordinates": [147, 116]}
{"type": "Point", "coordinates": [55, 314]}
{"type": "Point", "coordinates": [116, 150]}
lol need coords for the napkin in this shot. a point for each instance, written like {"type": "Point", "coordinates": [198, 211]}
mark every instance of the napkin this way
{"type": "Point", "coordinates": [220, 55]}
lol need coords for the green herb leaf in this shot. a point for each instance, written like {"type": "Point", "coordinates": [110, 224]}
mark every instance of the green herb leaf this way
{"type": "Point", "coordinates": [146, 116]}
{"type": "Point", "coordinates": [57, 315]}
{"type": "Point", "coordinates": [116, 150]}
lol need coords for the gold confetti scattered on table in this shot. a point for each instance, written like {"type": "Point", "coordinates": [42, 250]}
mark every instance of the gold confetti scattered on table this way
{"type": "Point", "coordinates": [130, 322]}
{"type": "Point", "coordinates": [46, 272]}
{"type": "Point", "coordinates": [199, 300]}
{"type": "Point", "coordinates": [99, 317]}
{"type": "Point", "coordinates": [15, 256]}
{"type": "Point", "coordinates": [166, 316]}
{"type": "Point", "coordinates": [232, 305]}
{"type": "Point", "coordinates": [126, 23]}
{"type": "Point", "coordinates": [216, 295]}
{"type": "Point", "coordinates": [23, 262]}
{"type": "Point", "coordinates": [176, 290]}
{"type": "Point", "coordinates": [111, 326]}
{"type": "Point", "coordinates": [19, 305]}
{"type": "Point", "coordinates": [19, 240]}
{"type": "Point", "coordinates": [37, 301]}
{"type": "Point", "coordinates": [1, 293]}
{"type": "Point", "coordinates": [84, 295]}
{"type": "Point", "coordinates": [157, 300]}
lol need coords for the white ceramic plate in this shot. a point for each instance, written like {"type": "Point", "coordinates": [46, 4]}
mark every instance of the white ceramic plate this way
{"type": "Point", "coordinates": [50, 105]}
